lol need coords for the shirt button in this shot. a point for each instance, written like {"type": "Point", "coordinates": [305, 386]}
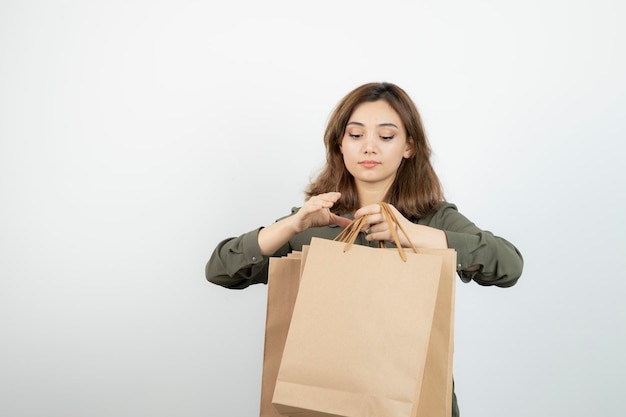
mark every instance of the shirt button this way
{"type": "Point", "coordinates": [254, 259]}
{"type": "Point", "coordinates": [459, 266]}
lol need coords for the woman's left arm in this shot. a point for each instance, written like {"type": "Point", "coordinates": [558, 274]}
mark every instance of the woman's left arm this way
{"type": "Point", "coordinates": [496, 260]}
{"type": "Point", "coordinates": [481, 256]}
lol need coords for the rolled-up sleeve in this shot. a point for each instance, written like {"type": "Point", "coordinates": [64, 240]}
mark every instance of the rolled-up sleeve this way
{"type": "Point", "coordinates": [237, 262]}
{"type": "Point", "coordinates": [500, 262]}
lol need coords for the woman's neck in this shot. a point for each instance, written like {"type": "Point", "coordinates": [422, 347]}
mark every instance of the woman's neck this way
{"type": "Point", "coordinates": [371, 193]}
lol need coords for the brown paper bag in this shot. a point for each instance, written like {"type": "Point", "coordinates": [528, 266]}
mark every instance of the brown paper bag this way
{"type": "Point", "coordinates": [360, 335]}
{"type": "Point", "coordinates": [434, 397]}
{"type": "Point", "coordinates": [282, 288]}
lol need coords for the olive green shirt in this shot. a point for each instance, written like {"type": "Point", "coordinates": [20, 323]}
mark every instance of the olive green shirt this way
{"type": "Point", "coordinates": [237, 262]}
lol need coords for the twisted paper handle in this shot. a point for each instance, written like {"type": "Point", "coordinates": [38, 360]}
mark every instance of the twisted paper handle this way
{"type": "Point", "coordinates": [349, 234]}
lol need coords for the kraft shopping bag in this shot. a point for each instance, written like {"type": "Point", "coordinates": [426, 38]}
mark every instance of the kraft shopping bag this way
{"type": "Point", "coordinates": [434, 397]}
{"type": "Point", "coordinates": [282, 288]}
{"type": "Point", "coordinates": [359, 337]}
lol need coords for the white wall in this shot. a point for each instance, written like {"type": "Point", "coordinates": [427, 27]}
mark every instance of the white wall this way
{"type": "Point", "coordinates": [135, 135]}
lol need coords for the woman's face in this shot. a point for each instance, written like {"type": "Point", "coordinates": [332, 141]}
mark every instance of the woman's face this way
{"type": "Point", "coordinates": [374, 144]}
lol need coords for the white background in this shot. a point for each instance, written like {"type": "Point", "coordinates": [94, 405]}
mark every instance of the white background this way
{"type": "Point", "coordinates": [135, 135]}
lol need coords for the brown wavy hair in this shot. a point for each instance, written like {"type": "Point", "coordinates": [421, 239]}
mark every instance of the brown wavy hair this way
{"type": "Point", "coordinates": [416, 190]}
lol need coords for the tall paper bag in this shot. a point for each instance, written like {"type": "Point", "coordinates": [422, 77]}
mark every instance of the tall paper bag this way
{"type": "Point", "coordinates": [359, 333]}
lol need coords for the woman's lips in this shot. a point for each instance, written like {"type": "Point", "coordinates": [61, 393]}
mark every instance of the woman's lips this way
{"type": "Point", "coordinates": [369, 164]}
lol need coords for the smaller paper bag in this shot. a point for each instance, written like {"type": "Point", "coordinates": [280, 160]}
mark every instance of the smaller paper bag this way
{"type": "Point", "coordinates": [282, 288]}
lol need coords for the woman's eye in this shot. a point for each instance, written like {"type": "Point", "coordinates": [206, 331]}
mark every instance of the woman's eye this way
{"type": "Point", "coordinates": [387, 137]}
{"type": "Point", "coordinates": [355, 135]}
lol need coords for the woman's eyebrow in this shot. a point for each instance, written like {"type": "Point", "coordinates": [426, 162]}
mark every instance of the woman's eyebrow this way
{"type": "Point", "coordinates": [379, 125]}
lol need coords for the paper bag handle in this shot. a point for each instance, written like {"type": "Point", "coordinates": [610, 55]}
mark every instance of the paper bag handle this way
{"type": "Point", "coordinates": [349, 234]}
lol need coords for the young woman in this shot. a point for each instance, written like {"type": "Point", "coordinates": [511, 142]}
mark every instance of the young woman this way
{"type": "Point", "coordinates": [376, 150]}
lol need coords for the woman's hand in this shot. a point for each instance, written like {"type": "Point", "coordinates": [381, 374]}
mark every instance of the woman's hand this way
{"type": "Point", "coordinates": [315, 212]}
{"type": "Point", "coordinates": [421, 236]}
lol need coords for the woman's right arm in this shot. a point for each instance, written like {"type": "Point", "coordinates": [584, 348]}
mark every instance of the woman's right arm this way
{"type": "Point", "coordinates": [242, 261]}
{"type": "Point", "coordinates": [239, 262]}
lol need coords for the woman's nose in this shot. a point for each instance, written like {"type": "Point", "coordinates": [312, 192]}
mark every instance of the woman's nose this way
{"type": "Point", "coordinates": [369, 144]}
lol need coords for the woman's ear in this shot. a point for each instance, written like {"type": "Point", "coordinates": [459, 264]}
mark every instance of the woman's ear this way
{"type": "Point", "coordinates": [409, 149]}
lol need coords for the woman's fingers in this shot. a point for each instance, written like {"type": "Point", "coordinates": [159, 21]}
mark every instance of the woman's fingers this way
{"type": "Point", "coordinates": [339, 221]}
{"type": "Point", "coordinates": [377, 226]}
{"type": "Point", "coordinates": [316, 211]}
{"type": "Point", "coordinates": [379, 230]}
{"type": "Point", "coordinates": [367, 210]}
{"type": "Point", "coordinates": [326, 200]}
{"type": "Point", "coordinates": [320, 202]}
